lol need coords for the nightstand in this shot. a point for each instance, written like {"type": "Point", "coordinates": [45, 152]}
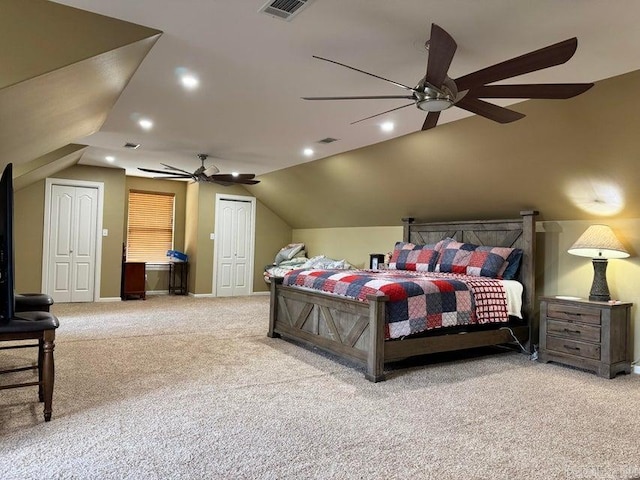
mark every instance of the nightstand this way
{"type": "Point", "coordinates": [591, 335]}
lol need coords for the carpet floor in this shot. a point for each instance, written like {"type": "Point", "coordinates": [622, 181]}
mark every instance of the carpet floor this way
{"type": "Point", "coordinates": [188, 388]}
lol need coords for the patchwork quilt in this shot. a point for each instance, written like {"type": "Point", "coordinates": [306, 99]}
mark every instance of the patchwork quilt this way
{"type": "Point", "coordinates": [417, 301]}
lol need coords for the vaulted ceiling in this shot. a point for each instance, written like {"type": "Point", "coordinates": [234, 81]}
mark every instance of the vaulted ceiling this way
{"type": "Point", "coordinates": [253, 68]}
{"type": "Point", "coordinates": [77, 77]}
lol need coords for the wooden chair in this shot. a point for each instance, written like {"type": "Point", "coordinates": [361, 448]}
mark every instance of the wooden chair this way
{"type": "Point", "coordinates": [16, 325]}
{"type": "Point", "coordinates": [33, 325]}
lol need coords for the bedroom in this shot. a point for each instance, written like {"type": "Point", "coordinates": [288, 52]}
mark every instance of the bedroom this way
{"type": "Point", "coordinates": [556, 144]}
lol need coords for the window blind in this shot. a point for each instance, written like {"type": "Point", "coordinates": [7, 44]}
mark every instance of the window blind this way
{"type": "Point", "coordinates": [149, 226]}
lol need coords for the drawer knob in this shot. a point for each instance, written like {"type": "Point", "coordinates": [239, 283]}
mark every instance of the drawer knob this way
{"type": "Point", "coordinates": [569, 347]}
{"type": "Point", "coordinates": [571, 331]}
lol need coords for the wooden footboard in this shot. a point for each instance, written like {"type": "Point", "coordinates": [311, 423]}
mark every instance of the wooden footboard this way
{"type": "Point", "coordinates": [345, 327]}
{"type": "Point", "coordinates": [355, 330]}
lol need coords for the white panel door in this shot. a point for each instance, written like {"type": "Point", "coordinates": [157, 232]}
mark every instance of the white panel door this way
{"type": "Point", "coordinates": [234, 249]}
{"type": "Point", "coordinates": [72, 243]}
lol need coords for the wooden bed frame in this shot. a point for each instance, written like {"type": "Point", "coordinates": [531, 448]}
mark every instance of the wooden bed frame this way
{"type": "Point", "coordinates": [355, 330]}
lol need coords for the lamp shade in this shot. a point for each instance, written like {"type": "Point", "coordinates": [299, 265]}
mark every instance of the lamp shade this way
{"type": "Point", "coordinates": [598, 241]}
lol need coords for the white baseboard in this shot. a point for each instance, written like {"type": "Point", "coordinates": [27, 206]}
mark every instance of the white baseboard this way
{"type": "Point", "coordinates": [157, 292]}
{"type": "Point", "coordinates": [261, 293]}
{"type": "Point", "coordinates": [109, 299]}
{"type": "Point", "coordinates": [636, 369]}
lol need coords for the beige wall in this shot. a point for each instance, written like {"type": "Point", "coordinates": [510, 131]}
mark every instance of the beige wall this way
{"type": "Point", "coordinates": [565, 156]}
{"type": "Point", "coordinates": [557, 272]}
{"type": "Point", "coordinates": [29, 204]}
{"type": "Point", "coordinates": [194, 221]}
{"type": "Point", "coordinates": [352, 244]}
{"type": "Point", "coordinates": [271, 234]}
{"type": "Point", "coordinates": [191, 232]}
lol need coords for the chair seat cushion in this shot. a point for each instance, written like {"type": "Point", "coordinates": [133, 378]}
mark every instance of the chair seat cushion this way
{"type": "Point", "coordinates": [29, 302]}
{"type": "Point", "coordinates": [30, 322]}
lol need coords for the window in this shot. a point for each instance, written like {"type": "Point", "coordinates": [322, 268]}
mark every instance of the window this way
{"type": "Point", "coordinates": [149, 226]}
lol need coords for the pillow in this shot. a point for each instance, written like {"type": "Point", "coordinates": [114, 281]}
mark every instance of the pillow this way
{"type": "Point", "coordinates": [475, 260]}
{"type": "Point", "coordinates": [512, 265]}
{"type": "Point", "coordinates": [419, 258]}
{"type": "Point", "coordinates": [288, 252]}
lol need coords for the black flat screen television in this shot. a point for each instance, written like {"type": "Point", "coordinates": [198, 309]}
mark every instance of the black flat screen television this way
{"type": "Point", "coordinates": [7, 298]}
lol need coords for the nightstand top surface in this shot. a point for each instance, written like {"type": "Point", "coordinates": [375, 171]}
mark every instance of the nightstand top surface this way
{"type": "Point", "coordinates": [586, 301]}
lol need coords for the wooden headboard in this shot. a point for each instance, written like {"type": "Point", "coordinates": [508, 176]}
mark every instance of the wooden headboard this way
{"type": "Point", "coordinates": [517, 233]}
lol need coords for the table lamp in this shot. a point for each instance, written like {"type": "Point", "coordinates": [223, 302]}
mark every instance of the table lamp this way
{"type": "Point", "coordinates": [599, 243]}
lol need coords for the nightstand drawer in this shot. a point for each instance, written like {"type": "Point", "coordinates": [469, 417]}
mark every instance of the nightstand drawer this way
{"type": "Point", "coordinates": [579, 349]}
{"type": "Point", "coordinates": [577, 313]}
{"type": "Point", "coordinates": [574, 331]}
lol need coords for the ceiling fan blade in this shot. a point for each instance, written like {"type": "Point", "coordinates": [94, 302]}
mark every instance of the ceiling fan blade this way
{"type": "Point", "coordinates": [247, 182]}
{"type": "Point", "coordinates": [540, 90]}
{"type": "Point", "coordinates": [227, 183]}
{"type": "Point", "coordinates": [164, 172]}
{"type": "Point", "coordinates": [169, 177]}
{"type": "Point", "coordinates": [442, 47]}
{"type": "Point", "coordinates": [378, 114]}
{"type": "Point", "coordinates": [431, 120]}
{"type": "Point", "coordinates": [366, 73]}
{"type": "Point", "coordinates": [489, 110]}
{"type": "Point", "coordinates": [231, 178]}
{"type": "Point", "coordinates": [529, 62]}
{"type": "Point", "coordinates": [169, 167]}
{"type": "Point", "coordinates": [376, 97]}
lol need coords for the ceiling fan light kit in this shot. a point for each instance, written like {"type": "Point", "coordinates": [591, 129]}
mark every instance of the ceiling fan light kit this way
{"type": "Point", "coordinates": [436, 92]}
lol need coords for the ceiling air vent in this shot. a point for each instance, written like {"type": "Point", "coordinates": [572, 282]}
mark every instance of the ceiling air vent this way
{"type": "Point", "coordinates": [284, 9]}
{"type": "Point", "coordinates": [328, 140]}
{"type": "Point", "coordinates": [131, 145]}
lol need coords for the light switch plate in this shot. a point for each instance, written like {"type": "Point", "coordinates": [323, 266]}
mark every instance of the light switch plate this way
{"type": "Point", "coordinates": [105, 232]}
{"type": "Point", "coordinates": [212, 236]}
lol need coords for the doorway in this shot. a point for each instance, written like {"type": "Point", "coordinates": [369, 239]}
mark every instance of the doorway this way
{"type": "Point", "coordinates": [72, 240]}
{"type": "Point", "coordinates": [234, 245]}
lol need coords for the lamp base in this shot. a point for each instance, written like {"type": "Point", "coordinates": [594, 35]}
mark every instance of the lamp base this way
{"type": "Point", "coordinates": [599, 287]}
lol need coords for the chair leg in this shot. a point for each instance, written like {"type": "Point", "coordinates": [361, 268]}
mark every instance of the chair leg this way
{"type": "Point", "coordinates": [48, 372]}
{"type": "Point", "coordinates": [40, 360]}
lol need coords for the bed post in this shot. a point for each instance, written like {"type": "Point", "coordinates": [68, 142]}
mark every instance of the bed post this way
{"type": "Point", "coordinates": [273, 308]}
{"type": "Point", "coordinates": [406, 222]}
{"type": "Point", "coordinates": [375, 354]}
{"type": "Point", "coordinates": [528, 276]}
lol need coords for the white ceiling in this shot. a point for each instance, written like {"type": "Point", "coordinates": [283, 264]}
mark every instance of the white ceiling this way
{"type": "Point", "coordinates": [253, 69]}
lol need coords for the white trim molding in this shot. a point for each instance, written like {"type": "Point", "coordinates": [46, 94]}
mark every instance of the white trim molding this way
{"type": "Point", "coordinates": [636, 369]}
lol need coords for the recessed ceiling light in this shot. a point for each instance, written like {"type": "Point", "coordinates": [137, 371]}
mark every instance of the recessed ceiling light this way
{"type": "Point", "coordinates": [387, 127]}
{"type": "Point", "coordinates": [110, 158]}
{"type": "Point", "coordinates": [145, 123]}
{"type": "Point", "coordinates": [308, 152]}
{"type": "Point", "coordinates": [189, 81]}
{"type": "Point", "coordinates": [234, 174]}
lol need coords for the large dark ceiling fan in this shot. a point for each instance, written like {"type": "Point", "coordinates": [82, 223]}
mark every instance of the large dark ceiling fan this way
{"type": "Point", "coordinates": [436, 91]}
{"type": "Point", "coordinates": [205, 174]}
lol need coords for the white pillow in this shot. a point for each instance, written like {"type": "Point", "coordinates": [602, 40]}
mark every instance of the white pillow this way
{"type": "Point", "coordinates": [288, 252]}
